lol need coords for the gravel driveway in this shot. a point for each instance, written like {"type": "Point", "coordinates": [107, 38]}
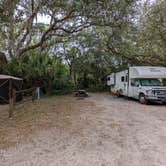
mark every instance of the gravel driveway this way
{"type": "Point", "coordinates": [103, 131]}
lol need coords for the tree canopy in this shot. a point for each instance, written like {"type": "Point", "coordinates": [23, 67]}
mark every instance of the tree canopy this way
{"type": "Point", "coordinates": [153, 33]}
{"type": "Point", "coordinates": [22, 32]}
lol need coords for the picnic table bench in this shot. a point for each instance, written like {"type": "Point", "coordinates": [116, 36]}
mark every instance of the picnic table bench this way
{"type": "Point", "coordinates": [81, 93]}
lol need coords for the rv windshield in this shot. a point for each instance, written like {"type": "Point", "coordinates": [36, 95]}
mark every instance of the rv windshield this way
{"type": "Point", "coordinates": [150, 82]}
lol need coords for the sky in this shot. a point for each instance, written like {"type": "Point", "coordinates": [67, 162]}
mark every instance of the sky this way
{"type": "Point", "coordinates": [43, 19]}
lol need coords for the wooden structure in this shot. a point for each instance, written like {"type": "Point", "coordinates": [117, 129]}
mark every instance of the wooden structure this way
{"type": "Point", "coordinates": [9, 84]}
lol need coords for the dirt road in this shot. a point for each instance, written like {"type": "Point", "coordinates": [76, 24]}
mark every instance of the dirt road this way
{"type": "Point", "coordinates": [98, 131]}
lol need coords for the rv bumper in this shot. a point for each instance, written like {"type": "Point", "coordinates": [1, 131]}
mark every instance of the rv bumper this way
{"type": "Point", "coordinates": [156, 98]}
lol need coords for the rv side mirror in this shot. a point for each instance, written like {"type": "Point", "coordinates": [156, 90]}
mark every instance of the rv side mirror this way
{"type": "Point", "coordinates": [137, 84]}
{"type": "Point", "coordinates": [132, 84]}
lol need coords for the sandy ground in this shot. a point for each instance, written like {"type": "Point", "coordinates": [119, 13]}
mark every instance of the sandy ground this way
{"type": "Point", "coordinates": [98, 131]}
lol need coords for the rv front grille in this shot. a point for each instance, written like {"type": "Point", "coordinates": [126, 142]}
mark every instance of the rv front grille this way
{"type": "Point", "coordinates": [160, 93]}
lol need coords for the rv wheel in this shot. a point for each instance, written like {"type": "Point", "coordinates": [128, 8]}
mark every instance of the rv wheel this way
{"type": "Point", "coordinates": [142, 99]}
{"type": "Point", "coordinates": [117, 94]}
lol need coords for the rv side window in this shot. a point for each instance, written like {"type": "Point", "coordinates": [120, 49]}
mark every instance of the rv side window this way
{"type": "Point", "coordinates": [122, 79]}
{"type": "Point", "coordinates": [127, 78]}
{"type": "Point", "coordinates": [132, 83]}
{"type": "Point", "coordinates": [135, 83]}
{"type": "Point", "coordinates": [108, 78]}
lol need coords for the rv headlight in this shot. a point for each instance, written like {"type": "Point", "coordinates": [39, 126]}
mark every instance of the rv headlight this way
{"type": "Point", "coordinates": [149, 92]}
{"type": "Point", "coordinates": [153, 92]}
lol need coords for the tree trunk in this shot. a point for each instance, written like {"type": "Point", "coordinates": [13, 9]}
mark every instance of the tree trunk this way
{"type": "Point", "coordinates": [11, 42]}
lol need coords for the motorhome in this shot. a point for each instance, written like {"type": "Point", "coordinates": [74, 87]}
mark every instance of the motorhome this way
{"type": "Point", "coordinates": [145, 83]}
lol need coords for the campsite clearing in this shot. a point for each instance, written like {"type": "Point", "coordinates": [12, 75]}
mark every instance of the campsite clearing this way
{"type": "Point", "coordinates": [100, 130]}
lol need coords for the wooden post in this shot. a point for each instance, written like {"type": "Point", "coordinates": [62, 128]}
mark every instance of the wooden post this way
{"type": "Point", "coordinates": [33, 94]}
{"type": "Point", "coordinates": [14, 97]}
{"type": "Point", "coordinates": [10, 98]}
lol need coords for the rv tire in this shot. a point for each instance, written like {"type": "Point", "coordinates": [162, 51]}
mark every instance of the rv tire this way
{"type": "Point", "coordinates": [142, 99]}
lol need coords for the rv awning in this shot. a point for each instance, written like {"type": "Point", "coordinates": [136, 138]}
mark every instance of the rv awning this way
{"type": "Point", "coordinates": [147, 72]}
{"type": "Point", "coordinates": [9, 77]}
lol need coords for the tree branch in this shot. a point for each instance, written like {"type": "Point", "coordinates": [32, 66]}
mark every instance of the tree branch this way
{"type": "Point", "coordinates": [29, 26]}
{"type": "Point", "coordinates": [47, 35]}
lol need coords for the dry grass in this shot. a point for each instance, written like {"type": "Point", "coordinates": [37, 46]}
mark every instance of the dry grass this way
{"type": "Point", "coordinates": [100, 130]}
{"type": "Point", "coordinates": [32, 117]}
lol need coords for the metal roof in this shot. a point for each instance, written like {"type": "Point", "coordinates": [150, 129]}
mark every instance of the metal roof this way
{"type": "Point", "coordinates": [9, 77]}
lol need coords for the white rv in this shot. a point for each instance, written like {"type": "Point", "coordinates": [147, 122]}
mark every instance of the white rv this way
{"type": "Point", "coordinates": [144, 83]}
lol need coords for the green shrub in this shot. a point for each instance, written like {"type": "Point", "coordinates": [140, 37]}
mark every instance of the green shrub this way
{"type": "Point", "coordinates": [41, 70]}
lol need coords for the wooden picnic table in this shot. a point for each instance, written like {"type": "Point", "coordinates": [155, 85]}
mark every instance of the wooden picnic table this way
{"type": "Point", "coordinates": [81, 93]}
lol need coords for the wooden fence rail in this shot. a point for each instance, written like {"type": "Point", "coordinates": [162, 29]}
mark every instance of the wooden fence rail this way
{"type": "Point", "coordinates": [24, 94]}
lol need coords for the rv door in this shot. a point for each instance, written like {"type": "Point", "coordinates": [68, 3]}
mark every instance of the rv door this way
{"type": "Point", "coordinates": [125, 85]}
{"type": "Point", "coordinates": [135, 88]}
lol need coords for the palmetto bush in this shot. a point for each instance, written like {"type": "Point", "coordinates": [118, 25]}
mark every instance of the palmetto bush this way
{"type": "Point", "coordinates": [41, 70]}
